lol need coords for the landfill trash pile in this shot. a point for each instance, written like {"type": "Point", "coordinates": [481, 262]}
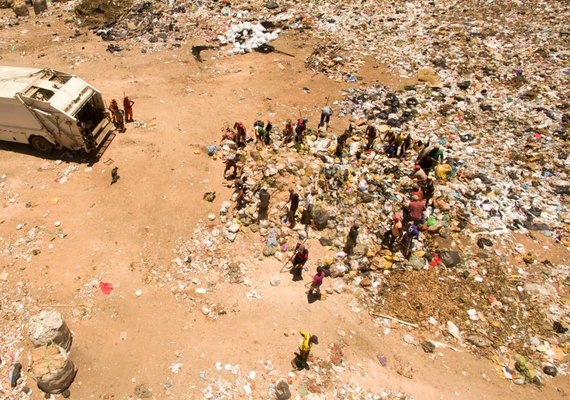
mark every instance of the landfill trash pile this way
{"type": "Point", "coordinates": [167, 24]}
{"type": "Point", "coordinates": [333, 60]}
{"type": "Point", "coordinates": [473, 273]}
{"type": "Point", "coordinates": [457, 39]}
{"type": "Point", "coordinates": [97, 13]}
{"type": "Point", "coordinates": [492, 90]}
{"type": "Point", "coordinates": [466, 131]}
{"type": "Point", "coordinates": [189, 275]}
{"type": "Point", "coordinates": [324, 379]}
{"type": "Point", "coordinates": [204, 250]}
{"type": "Point", "coordinates": [246, 37]}
{"type": "Point", "coordinates": [460, 39]}
{"type": "Point", "coordinates": [27, 245]}
{"type": "Point", "coordinates": [16, 306]}
{"type": "Point", "coordinates": [146, 22]}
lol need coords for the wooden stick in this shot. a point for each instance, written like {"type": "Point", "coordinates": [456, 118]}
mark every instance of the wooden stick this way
{"type": "Point", "coordinates": [62, 305]}
{"type": "Point", "coordinates": [395, 319]}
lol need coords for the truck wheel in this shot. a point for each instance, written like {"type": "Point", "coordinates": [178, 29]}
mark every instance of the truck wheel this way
{"type": "Point", "coordinates": [41, 145]}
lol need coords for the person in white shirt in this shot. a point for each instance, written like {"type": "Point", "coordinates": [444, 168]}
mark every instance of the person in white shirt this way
{"type": "Point", "coordinates": [326, 113]}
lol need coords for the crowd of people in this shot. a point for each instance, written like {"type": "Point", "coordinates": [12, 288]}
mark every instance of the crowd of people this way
{"type": "Point", "coordinates": [120, 116]}
{"type": "Point", "coordinates": [406, 224]}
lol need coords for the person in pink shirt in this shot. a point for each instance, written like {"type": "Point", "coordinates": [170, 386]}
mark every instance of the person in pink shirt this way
{"type": "Point", "coordinates": [317, 282]}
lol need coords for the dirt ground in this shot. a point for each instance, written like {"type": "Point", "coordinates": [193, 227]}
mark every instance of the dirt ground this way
{"type": "Point", "coordinates": [128, 340]}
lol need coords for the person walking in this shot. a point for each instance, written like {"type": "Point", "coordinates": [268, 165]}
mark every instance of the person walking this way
{"type": "Point", "coordinates": [267, 137]}
{"type": "Point", "coordinates": [430, 160]}
{"type": "Point", "coordinates": [428, 190]}
{"type": "Point", "coordinates": [340, 143]}
{"type": "Point", "coordinates": [300, 129]}
{"type": "Point", "coordinates": [418, 174]}
{"type": "Point", "coordinates": [398, 141]}
{"type": "Point", "coordinates": [417, 191]}
{"type": "Point", "coordinates": [259, 132]}
{"type": "Point", "coordinates": [317, 282]}
{"type": "Point", "coordinates": [423, 149]}
{"type": "Point", "coordinates": [114, 109]}
{"type": "Point", "coordinates": [128, 106]}
{"type": "Point", "coordinates": [389, 138]}
{"type": "Point", "coordinates": [415, 211]}
{"type": "Point", "coordinates": [406, 144]}
{"type": "Point", "coordinates": [407, 242]}
{"type": "Point", "coordinates": [393, 234]}
{"type": "Point", "coordinates": [307, 215]}
{"type": "Point", "coordinates": [371, 133]}
{"type": "Point", "coordinates": [120, 117]}
{"type": "Point", "coordinates": [351, 239]}
{"type": "Point", "coordinates": [326, 114]}
{"type": "Point", "coordinates": [293, 206]}
{"type": "Point", "coordinates": [241, 134]}
{"type": "Point", "coordinates": [264, 197]}
{"type": "Point", "coordinates": [300, 257]}
{"type": "Point", "coordinates": [288, 132]}
{"type": "Point", "coordinates": [231, 161]}
{"type": "Point", "coordinates": [305, 350]}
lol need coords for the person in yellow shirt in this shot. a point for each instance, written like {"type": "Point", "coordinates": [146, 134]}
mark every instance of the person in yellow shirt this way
{"type": "Point", "coordinates": [305, 349]}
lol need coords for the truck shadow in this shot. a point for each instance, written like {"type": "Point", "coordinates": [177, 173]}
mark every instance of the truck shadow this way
{"type": "Point", "coordinates": [69, 156]}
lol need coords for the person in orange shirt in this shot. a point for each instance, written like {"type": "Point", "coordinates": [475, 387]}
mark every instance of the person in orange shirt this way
{"type": "Point", "coordinates": [128, 106]}
{"type": "Point", "coordinates": [288, 132]}
{"type": "Point", "coordinates": [393, 234]}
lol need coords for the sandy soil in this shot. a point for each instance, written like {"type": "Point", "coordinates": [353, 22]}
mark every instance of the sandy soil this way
{"type": "Point", "coordinates": [112, 229]}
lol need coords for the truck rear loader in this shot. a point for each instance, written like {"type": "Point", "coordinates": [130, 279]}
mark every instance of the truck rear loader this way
{"type": "Point", "coordinates": [49, 109]}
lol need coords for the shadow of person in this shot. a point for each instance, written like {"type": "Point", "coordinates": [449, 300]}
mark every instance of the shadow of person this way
{"type": "Point", "coordinates": [297, 363]}
{"type": "Point", "coordinates": [297, 274]}
{"type": "Point", "coordinates": [312, 297]}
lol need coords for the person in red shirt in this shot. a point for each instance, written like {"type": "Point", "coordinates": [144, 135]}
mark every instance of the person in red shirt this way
{"type": "Point", "coordinates": [241, 135]}
{"type": "Point", "coordinates": [417, 191]}
{"type": "Point", "coordinates": [415, 210]}
{"type": "Point", "coordinates": [299, 259]}
{"type": "Point", "coordinates": [300, 130]}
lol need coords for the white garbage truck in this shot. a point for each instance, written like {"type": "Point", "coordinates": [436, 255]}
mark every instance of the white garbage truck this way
{"type": "Point", "coordinates": [49, 109]}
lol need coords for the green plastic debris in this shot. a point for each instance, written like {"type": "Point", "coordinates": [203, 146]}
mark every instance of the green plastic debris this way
{"type": "Point", "coordinates": [526, 368]}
